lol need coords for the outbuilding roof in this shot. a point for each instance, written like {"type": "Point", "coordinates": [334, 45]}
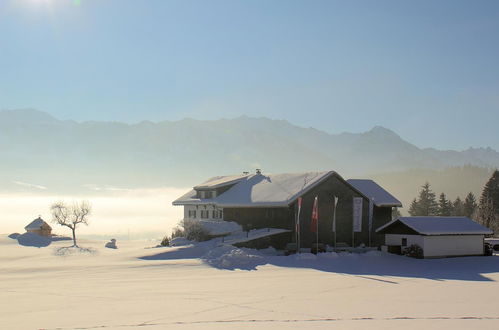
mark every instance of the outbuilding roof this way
{"type": "Point", "coordinates": [439, 226]}
{"type": "Point", "coordinates": [38, 223]}
{"type": "Point", "coordinates": [375, 192]}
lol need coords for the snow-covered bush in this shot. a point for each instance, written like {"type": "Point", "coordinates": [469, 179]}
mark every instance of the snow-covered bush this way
{"type": "Point", "coordinates": [414, 251]}
{"type": "Point", "coordinates": [192, 230]}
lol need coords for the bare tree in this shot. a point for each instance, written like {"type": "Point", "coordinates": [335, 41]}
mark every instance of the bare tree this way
{"type": "Point", "coordinates": [71, 215]}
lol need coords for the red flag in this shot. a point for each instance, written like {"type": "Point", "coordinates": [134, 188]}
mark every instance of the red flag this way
{"type": "Point", "coordinates": [315, 217]}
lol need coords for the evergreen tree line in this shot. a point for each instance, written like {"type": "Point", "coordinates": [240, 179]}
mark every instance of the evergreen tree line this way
{"type": "Point", "coordinates": [485, 211]}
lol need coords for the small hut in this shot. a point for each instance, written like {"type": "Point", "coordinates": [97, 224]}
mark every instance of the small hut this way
{"type": "Point", "coordinates": [437, 236]}
{"type": "Point", "coordinates": [40, 227]}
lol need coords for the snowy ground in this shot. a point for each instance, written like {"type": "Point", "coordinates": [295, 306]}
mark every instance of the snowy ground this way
{"type": "Point", "coordinates": [203, 287]}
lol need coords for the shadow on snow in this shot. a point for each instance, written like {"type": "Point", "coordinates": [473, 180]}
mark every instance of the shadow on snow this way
{"type": "Point", "coordinates": [35, 240]}
{"type": "Point", "coordinates": [381, 264]}
{"type": "Point", "coordinates": [364, 265]}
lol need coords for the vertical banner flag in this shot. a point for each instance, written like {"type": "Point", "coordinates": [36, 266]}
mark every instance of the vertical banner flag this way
{"type": "Point", "coordinates": [298, 216]}
{"type": "Point", "coordinates": [371, 211]}
{"type": "Point", "coordinates": [335, 203]}
{"type": "Point", "coordinates": [314, 224]}
{"type": "Point", "coordinates": [357, 214]}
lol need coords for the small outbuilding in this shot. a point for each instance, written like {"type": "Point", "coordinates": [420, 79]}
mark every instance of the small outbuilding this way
{"type": "Point", "coordinates": [437, 236]}
{"type": "Point", "coordinates": [40, 227]}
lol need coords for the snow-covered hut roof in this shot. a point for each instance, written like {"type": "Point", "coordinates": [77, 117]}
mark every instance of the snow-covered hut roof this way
{"type": "Point", "coordinates": [38, 223]}
{"type": "Point", "coordinates": [257, 190]}
{"type": "Point", "coordinates": [440, 226]}
{"type": "Point", "coordinates": [375, 192]}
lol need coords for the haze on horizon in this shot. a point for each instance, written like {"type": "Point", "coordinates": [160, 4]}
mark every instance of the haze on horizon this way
{"type": "Point", "coordinates": [426, 70]}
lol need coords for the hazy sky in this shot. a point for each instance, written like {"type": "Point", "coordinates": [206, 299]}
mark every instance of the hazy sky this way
{"type": "Point", "coordinates": [427, 69]}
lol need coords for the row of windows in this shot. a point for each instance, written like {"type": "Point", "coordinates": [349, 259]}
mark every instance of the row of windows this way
{"type": "Point", "coordinates": [205, 194]}
{"type": "Point", "coordinates": [205, 214]}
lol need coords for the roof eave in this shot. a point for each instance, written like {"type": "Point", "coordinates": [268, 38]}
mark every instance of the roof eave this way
{"type": "Point", "coordinates": [455, 234]}
{"type": "Point", "coordinates": [194, 202]}
{"type": "Point", "coordinates": [252, 205]}
{"type": "Point", "coordinates": [388, 204]}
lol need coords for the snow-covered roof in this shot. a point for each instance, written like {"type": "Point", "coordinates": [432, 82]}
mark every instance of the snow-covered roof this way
{"type": "Point", "coordinates": [257, 190]}
{"type": "Point", "coordinates": [375, 192]}
{"type": "Point", "coordinates": [220, 181]}
{"type": "Point", "coordinates": [38, 223]}
{"type": "Point", "coordinates": [440, 226]}
{"type": "Point", "coordinates": [273, 190]}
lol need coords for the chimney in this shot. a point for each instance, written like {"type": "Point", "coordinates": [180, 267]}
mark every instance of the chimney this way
{"type": "Point", "coordinates": [258, 171]}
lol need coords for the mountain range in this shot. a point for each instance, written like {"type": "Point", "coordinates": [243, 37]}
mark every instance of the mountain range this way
{"type": "Point", "coordinates": [39, 151]}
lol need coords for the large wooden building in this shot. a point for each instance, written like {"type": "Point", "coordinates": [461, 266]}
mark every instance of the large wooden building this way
{"type": "Point", "coordinates": [263, 201]}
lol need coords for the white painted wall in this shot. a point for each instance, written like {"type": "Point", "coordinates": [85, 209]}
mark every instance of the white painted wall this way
{"type": "Point", "coordinates": [441, 246]}
{"type": "Point", "coordinates": [453, 245]}
{"type": "Point", "coordinates": [396, 239]}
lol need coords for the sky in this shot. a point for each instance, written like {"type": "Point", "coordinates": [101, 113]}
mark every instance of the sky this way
{"type": "Point", "coordinates": [428, 70]}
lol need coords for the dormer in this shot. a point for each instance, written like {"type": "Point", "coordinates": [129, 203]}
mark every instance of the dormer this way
{"type": "Point", "coordinates": [206, 194]}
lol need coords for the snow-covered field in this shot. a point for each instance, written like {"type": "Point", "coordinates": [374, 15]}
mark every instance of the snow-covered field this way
{"type": "Point", "coordinates": [203, 287]}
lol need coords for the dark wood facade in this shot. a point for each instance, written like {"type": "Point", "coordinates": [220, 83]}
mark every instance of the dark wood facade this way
{"type": "Point", "coordinates": [284, 217]}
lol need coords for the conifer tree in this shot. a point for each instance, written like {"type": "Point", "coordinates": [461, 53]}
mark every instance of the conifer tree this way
{"type": "Point", "coordinates": [414, 208]}
{"type": "Point", "coordinates": [444, 206]}
{"type": "Point", "coordinates": [488, 209]}
{"type": "Point", "coordinates": [426, 204]}
{"type": "Point", "coordinates": [395, 213]}
{"type": "Point", "coordinates": [470, 205]}
{"type": "Point", "coordinates": [491, 191]}
{"type": "Point", "coordinates": [458, 207]}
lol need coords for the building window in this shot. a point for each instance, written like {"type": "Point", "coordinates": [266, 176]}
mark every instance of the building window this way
{"type": "Point", "coordinates": [205, 214]}
{"type": "Point", "coordinates": [192, 214]}
{"type": "Point", "coordinates": [404, 241]}
{"type": "Point", "coordinates": [208, 194]}
{"type": "Point", "coordinates": [217, 214]}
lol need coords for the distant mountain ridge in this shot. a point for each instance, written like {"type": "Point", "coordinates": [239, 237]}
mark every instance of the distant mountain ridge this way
{"type": "Point", "coordinates": [39, 149]}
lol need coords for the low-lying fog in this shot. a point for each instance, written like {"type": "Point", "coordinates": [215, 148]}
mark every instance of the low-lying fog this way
{"type": "Point", "coordinates": [121, 214]}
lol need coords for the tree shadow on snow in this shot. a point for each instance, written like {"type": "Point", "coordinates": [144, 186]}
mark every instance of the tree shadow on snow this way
{"type": "Point", "coordinates": [73, 250]}
{"type": "Point", "coordinates": [382, 264]}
